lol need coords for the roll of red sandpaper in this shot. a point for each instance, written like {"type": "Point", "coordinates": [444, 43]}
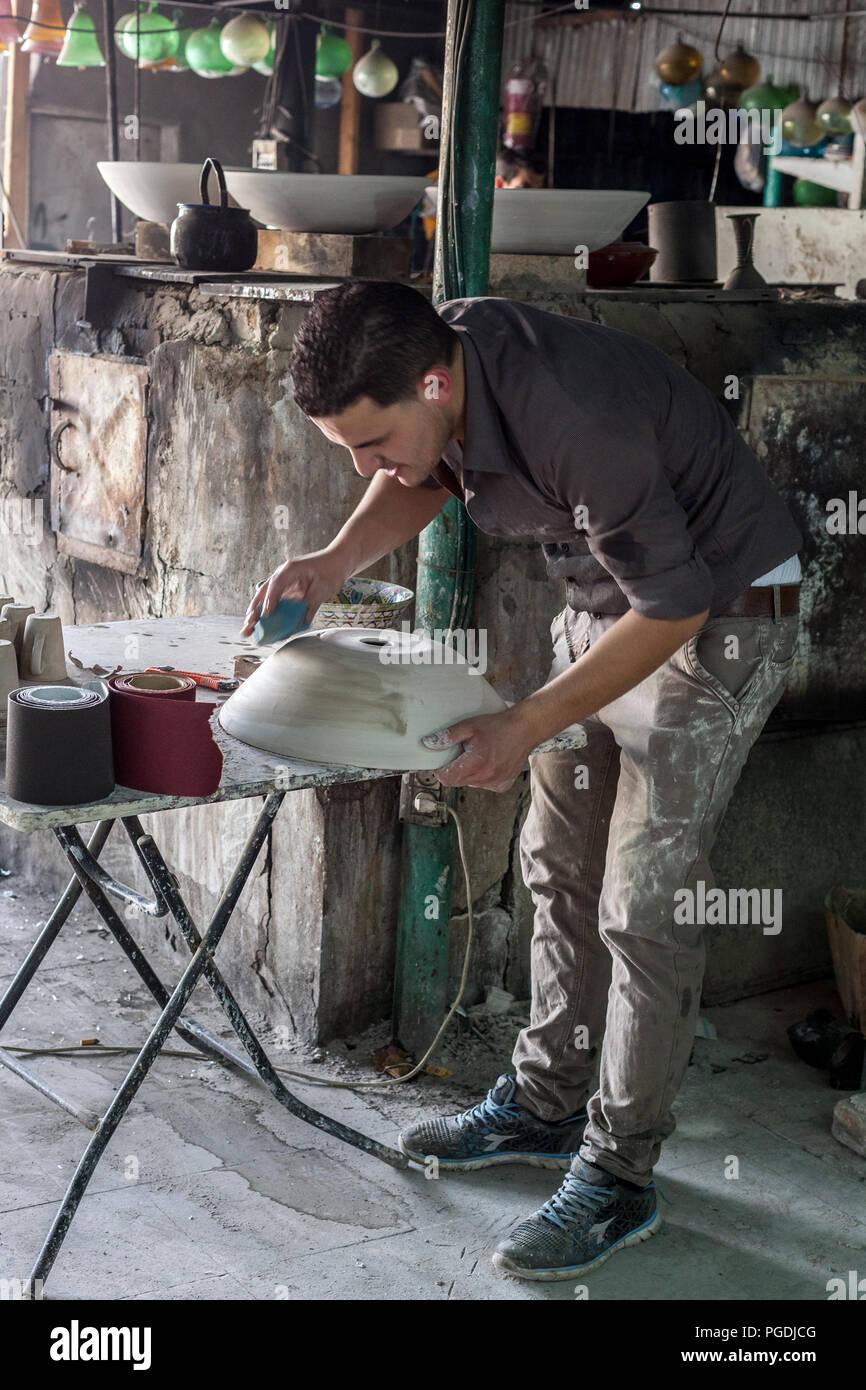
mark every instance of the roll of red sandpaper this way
{"type": "Point", "coordinates": [58, 744]}
{"type": "Point", "coordinates": [161, 737]}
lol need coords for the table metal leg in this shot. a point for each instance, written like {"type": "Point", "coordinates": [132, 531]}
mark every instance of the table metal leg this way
{"type": "Point", "coordinates": [164, 883]}
{"type": "Point", "coordinates": [201, 962]}
{"type": "Point", "coordinates": [96, 882]}
{"type": "Point", "coordinates": [51, 930]}
{"type": "Point", "coordinates": [28, 969]}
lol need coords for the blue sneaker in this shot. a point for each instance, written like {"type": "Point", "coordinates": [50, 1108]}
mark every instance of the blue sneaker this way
{"type": "Point", "coordinates": [497, 1130]}
{"type": "Point", "coordinates": [592, 1215]}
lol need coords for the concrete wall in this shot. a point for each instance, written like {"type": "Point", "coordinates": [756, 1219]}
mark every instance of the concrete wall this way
{"type": "Point", "coordinates": [313, 942]}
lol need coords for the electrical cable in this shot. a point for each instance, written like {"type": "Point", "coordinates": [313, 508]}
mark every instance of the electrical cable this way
{"type": "Point", "coordinates": [111, 1051]}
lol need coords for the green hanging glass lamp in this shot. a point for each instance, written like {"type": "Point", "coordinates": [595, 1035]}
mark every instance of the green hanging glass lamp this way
{"type": "Point", "coordinates": [204, 53]}
{"type": "Point", "coordinates": [333, 54]}
{"type": "Point", "coordinates": [183, 33]}
{"type": "Point", "coordinates": [152, 38]}
{"type": "Point", "coordinates": [80, 48]}
{"type": "Point", "coordinates": [120, 26]}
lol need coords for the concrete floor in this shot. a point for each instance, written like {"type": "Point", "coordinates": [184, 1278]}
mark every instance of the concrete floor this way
{"type": "Point", "coordinates": [210, 1190]}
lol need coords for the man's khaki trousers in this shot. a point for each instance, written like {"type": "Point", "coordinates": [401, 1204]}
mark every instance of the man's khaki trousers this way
{"type": "Point", "coordinates": [616, 829]}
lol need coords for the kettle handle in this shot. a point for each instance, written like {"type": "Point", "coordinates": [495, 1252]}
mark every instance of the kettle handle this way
{"type": "Point", "coordinates": [205, 176]}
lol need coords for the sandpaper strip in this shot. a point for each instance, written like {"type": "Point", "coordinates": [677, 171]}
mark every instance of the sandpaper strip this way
{"type": "Point", "coordinates": [161, 735]}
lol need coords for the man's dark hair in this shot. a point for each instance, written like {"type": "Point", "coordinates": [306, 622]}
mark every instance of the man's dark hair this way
{"type": "Point", "coordinates": [370, 338]}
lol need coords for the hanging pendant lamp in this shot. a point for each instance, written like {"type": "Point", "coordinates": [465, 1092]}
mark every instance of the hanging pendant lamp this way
{"type": "Point", "coordinates": [150, 36]}
{"type": "Point", "coordinates": [245, 40]}
{"type": "Point", "coordinates": [120, 26]}
{"type": "Point", "coordinates": [80, 48]}
{"type": "Point", "coordinates": [204, 54]}
{"type": "Point", "coordinates": [740, 69]}
{"type": "Point", "coordinates": [11, 26]}
{"type": "Point", "coordinates": [333, 54]}
{"type": "Point", "coordinates": [800, 126]}
{"type": "Point", "coordinates": [679, 63]}
{"type": "Point", "coordinates": [183, 33]}
{"type": "Point", "coordinates": [266, 66]}
{"type": "Point", "coordinates": [44, 33]}
{"type": "Point", "coordinates": [327, 92]}
{"type": "Point", "coordinates": [834, 116]}
{"type": "Point", "coordinates": [375, 75]}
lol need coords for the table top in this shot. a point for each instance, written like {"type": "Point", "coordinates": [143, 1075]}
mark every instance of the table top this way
{"type": "Point", "coordinates": [208, 643]}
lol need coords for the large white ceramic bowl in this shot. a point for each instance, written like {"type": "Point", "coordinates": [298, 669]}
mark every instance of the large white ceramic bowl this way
{"type": "Point", "coordinates": [152, 190]}
{"type": "Point", "coordinates": [553, 221]}
{"type": "Point", "coordinates": [348, 203]}
{"type": "Point", "coordinates": [358, 697]}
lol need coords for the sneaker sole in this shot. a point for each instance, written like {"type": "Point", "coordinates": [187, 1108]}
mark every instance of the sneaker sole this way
{"type": "Point", "coordinates": [468, 1165]}
{"type": "Point", "coordinates": [506, 1266]}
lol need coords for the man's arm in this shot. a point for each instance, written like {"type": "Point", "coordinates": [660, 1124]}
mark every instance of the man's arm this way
{"type": "Point", "coordinates": [387, 516]}
{"type": "Point", "coordinates": [496, 746]}
{"type": "Point", "coordinates": [628, 652]}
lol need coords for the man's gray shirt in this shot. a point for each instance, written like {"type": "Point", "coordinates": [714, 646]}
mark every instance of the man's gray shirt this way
{"type": "Point", "coordinates": [626, 468]}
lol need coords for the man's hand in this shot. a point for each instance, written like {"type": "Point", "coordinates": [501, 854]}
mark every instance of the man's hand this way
{"type": "Point", "coordinates": [495, 750]}
{"type": "Point", "coordinates": [314, 577]}
{"type": "Point", "coordinates": [498, 745]}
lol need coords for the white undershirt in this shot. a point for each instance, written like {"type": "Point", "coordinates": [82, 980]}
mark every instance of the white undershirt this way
{"type": "Point", "coordinates": [789, 572]}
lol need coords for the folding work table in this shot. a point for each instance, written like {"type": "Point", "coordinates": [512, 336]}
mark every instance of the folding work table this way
{"type": "Point", "coordinates": [209, 644]}
{"type": "Point", "coordinates": [197, 644]}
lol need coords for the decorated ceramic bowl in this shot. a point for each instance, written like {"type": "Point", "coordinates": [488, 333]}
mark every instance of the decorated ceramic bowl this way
{"type": "Point", "coordinates": [364, 603]}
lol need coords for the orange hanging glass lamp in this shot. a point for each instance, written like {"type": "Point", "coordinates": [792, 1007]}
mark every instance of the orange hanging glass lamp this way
{"type": "Point", "coordinates": [46, 30]}
{"type": "Point", "coordinates": [12, 26]}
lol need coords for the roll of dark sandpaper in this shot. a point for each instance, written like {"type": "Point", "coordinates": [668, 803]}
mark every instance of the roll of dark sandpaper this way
{"type": "Point", "coordinates": [161, 735]}
{"type": "Point", "coordinates": [58, 744]}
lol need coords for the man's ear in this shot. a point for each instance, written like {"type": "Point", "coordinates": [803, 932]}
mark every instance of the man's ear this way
{"type": "Point", "coordinates": [437, 384]}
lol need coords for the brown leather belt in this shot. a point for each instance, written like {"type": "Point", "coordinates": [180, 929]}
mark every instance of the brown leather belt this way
{"type": "Point", "coordinates": [759, 602]}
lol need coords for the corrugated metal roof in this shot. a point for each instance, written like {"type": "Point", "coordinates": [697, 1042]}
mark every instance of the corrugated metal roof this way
{"type": "Point", "coordinates": [609, 62]}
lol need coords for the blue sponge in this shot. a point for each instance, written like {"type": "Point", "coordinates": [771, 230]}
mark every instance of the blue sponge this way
{"type": "Point", "coordinates": [286, 619]}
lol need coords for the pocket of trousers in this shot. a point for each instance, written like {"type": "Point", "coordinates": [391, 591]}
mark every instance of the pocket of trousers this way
{"type": "Point", "coordinates": [782, 640]}
{"type": "Point", "coordinates": [726, 655]}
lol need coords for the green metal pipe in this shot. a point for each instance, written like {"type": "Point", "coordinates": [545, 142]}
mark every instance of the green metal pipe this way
{"type": "Point", "coordinates": [447, 547]}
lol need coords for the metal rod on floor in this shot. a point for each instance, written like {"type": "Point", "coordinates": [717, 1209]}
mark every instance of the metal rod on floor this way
{"type": "Point", "coordinates": [88, 1118]}
{"type": "Point", "coordinates": [188, 1029]}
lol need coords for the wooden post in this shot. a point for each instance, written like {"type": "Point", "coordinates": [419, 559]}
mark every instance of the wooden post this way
{"type": "Point", "coordinates": [16, 155]}
{"type": "Point", "coordinates": [350, 108]}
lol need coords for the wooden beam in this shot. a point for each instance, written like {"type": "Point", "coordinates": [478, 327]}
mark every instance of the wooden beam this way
{"type": "Point", "coordinates": [16, 146]}
{"type": "Point", "coordinates": [350, 107]}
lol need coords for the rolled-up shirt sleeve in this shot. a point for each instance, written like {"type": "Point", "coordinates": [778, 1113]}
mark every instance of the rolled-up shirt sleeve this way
{"type": "Point", "coordinates": [624, 507]}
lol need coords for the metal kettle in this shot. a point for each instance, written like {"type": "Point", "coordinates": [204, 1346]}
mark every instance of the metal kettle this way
{"type": "Point", "coordinates": [210, 236]}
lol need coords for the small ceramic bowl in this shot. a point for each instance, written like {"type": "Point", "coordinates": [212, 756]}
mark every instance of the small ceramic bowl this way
{"type": "Point", "coordinates": [620, 263]}
{"type": "Point", "coordinates": [364, 603]}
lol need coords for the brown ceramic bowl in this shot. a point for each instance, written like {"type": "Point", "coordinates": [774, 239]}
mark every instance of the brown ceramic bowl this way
{"type": "Point", "coordinates": [620, 263]}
